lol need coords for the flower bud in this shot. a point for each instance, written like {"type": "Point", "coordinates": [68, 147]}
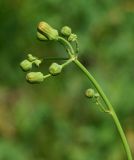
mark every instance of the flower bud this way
{"type": "Point", "coordinates": [37, 62]}
{"type": "Point", "coordinates": [26, 65]}
{"type": "Point", "coordinates": [66, 31]}
{"type": "Point", "coordinates": [72, 38]}
{"type": "Point", "coordinates": [55, 69]}
{"type": "Point", "coordinates": [90, 93]}
{"type": "Point", "coordinates": [31, 58]}
{"type": "Point", "coordinates": [41, 37]}
{"type": "Point", "coordinates": [35, 77]}
{"type": "Point", "coordinates": [46, 30]}
{"type": "Point", "coordinates": [96, 95]}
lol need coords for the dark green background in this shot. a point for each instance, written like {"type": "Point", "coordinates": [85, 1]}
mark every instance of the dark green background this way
{"type": "Point", "coordinates": [54, 120]}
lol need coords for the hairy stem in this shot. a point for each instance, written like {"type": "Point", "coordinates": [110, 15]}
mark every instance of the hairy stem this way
{"type": "Point", "coordinates": [110, 107]}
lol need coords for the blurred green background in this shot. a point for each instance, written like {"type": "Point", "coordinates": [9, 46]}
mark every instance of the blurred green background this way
{"type": "Point", "coordinates": [54, 120]}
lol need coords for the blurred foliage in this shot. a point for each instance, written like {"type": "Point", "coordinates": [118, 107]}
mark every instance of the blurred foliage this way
{"type": "Point", "coordinates": [54, 121]}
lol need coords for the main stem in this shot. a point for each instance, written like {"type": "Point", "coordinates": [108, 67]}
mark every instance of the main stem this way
{"type": "Point", "coordinates": [103, 96]}
{"type": "Point", "coordinates": [110, 107]}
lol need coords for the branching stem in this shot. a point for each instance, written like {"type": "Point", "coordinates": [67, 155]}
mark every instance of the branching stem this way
{"type": "Point", "coordinates": [103, 109]}
{"type": "Point", "coordinates": [66, 43]}
{"type": "Point", "coordinates": [73, 58]}
{"type": "Point", "coordinates": [110, 107]}
{"type": "Point", "coordinates": [103, 96]}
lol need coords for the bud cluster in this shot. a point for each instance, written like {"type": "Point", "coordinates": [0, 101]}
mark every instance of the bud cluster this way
{"type": "Point", "coordinates": [47, 33]}
{"type": "Point", "coordinates": [90, 93]}
{"type": "Point", "coordinates": [38, 77]}
{"type": "Point", "coordinates": [26, 64]}
{"type": "Point", "coordinates": [67, 32]}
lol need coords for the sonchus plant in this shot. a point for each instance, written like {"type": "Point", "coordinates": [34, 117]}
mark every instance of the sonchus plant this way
{"type": "Point", "coordinates": [70, 42]}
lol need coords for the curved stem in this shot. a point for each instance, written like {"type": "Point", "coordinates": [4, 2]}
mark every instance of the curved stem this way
{"type": "Point", "coordinates": [103, 96]}
{"type": "Point", "coordinates": [64, 41]}
{"type": "Point", "coordinates": [110, 107]}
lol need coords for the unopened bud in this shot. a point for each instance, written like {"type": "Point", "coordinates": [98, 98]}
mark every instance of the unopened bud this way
{"type": "Point", "coordinates": [96, 95]}
{"type": "Point", "coordinates": [37, 62]}
{"type": "Point", "coordinates": [26, 65]}
{"type": "Point", "coordinates": [31, 58]}
{"type": "Point", "coordinates": [41, 37]}
{"type": "Point", "coordinates": [90, 93]}
{"type": "Point", "coordinates": [72, 38]}
{"type": "Point", "coordinates": [49, 32]}
{"type": "Point", "coordinates": [55, 69]}
{"type": "Point", "coordinates": [35, 77]}
{"type": "Point", "coordinates": [66, 31]}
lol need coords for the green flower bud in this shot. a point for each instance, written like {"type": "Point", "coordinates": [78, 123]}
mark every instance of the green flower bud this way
{"type": "Point", "coordinates": [46, 30]}
{"type": "Point", "coordinates": [35, 77]}
{"type": "Point", "coordinates": [26, 65]}
{"type": "Point", "coordinates": [31, 58]}
{"type": "Point", "coordinates": [66, 31]}
{"type": "Point", "coordinates": [72, 38]}
{"type": "Point", "coordinates": [37, 62]}
{"type": "Point", "coordinates": [90, 93]}
{"type": "Point", "coordinates": [41, 37]}
{"type": "Point", "coordinates": [96, 95]}
{"type": "Point", "coordinates": [55, 69]}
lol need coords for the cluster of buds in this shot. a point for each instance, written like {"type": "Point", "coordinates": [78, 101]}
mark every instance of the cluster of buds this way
{"type": "Point", "coordinates": [90, 93]}
{"type": "Point", "coordinates": [38, 77]}
{"type": "Point", "coordinates": [47, 33]}
{"type": "Point", "coordinates": [67, 32]}
{"type": "Point", "coordinates": [26, 64]}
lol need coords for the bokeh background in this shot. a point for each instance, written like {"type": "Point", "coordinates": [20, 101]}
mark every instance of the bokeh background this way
{"type": "Point", "coordinates": [54, 120]}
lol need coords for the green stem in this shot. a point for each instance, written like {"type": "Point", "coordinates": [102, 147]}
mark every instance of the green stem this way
{"type": "Point", "coordinates": [46, 76]}
{"type": "Point", "coordinates": [77, 46]}
{"type": "Point", "coordinates": [56, 58]}
{"type": "Point", "coordinates": [102, 107]}
{"type": "Point", "coordinates": [108, 104]}
{"type": "Point", "coordinates": [103, 96]}
{"type": "Point", "coordinates": [67, 62]}
{"type": "Point", "coordinates": [65, 42]}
